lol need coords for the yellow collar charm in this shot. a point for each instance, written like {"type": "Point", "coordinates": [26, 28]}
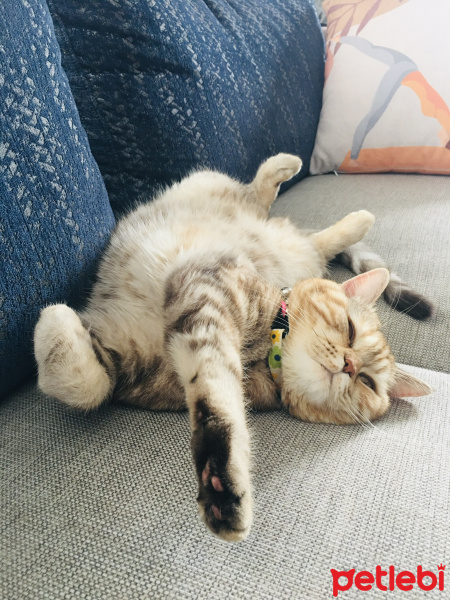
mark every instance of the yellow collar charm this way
{"type": "Point", "coordinates": [274, 358]}
{"type": "Point", "coordinates": [279, 330]}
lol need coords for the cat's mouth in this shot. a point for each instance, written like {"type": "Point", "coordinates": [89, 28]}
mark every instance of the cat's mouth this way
{"type": "Point", "coordinates": [328, 373]}
{"type": "Point", "coordinates": [334, 382]}
{"type": "Point", "coordinates": [332, 379]}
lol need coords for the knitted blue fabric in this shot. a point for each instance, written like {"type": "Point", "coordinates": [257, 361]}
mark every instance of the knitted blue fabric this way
{"type": "Point", "coordinates": [55, 216]}
{"type": "Point", "coordinates": [166, 86]}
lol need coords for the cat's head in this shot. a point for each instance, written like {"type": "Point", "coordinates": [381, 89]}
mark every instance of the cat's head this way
{"type": "Point", "coordinates": [337, 366]}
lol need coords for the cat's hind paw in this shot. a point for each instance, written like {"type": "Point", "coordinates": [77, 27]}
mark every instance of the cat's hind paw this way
{"type": "Point", "coordinates": [270, 175]}
{"type": "Point", "coordinates": [68, 368]}
{"type": "Point", "coordinates": [279, 168]}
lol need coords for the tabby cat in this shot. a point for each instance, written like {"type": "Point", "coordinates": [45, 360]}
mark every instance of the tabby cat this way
{"type": "Point", "coordinates": [181, 314]}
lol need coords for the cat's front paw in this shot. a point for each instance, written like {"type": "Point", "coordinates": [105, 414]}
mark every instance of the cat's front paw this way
{"type": "Point", "coordinates": [221, 508]}
{"type": "Point", "coordinates": [360, 221]}
{"type": "Point", "coordinates": [224, 492]}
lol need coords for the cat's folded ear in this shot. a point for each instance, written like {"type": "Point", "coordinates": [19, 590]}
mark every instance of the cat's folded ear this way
{"type": "Point", "coordinates": [367, 286]}
{"type": "Point", "coordinates": [407, 386]}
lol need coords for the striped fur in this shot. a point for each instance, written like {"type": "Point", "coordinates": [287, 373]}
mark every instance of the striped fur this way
{"type": "Point", "coordinates": [320, 336]}
{"type": "Point", "coordinates": [348, 373]}
{"type": "Point", "coordinates": [180, 317]}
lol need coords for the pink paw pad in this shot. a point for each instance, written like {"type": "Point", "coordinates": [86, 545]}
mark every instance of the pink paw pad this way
{"type": "Point", "coordinates": [216, 512]}
{"type": "Point", "coordinates": [206, 473]}
{"type": "Point", "coordinates": [216, 483]}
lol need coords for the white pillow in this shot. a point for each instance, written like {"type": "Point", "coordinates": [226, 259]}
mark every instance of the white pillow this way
{"type": "Point", "coordinates": [387, 90]}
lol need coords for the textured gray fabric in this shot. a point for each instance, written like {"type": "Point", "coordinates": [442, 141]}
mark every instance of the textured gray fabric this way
{"type": "Point", "coordinates": [412, 233]}
{"type": "Point", "coordinates": [102, 506]}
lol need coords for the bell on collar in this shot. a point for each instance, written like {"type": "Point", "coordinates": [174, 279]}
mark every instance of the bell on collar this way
{"type": "Point", "coordinates": [285, 293]}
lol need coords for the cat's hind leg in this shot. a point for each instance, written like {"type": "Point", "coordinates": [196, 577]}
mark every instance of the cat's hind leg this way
{"type": "Point", "coordinates": [69, 360]}
{"type": "Point", "coordinates": [344, 233]}
{"type": "Point", "coordinates": [270, 175]}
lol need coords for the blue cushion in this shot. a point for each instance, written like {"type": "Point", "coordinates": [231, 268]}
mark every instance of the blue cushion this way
{"type": "Point", "coordinates": [166, 86]}
{"type": "Point", "coordinates": [55, 215]}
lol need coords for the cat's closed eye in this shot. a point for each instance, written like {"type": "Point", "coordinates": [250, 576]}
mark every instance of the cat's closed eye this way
{"type": "Point", "coordinates": [368, 381]}
{"type": "Point", "coordinates": [351, 333]}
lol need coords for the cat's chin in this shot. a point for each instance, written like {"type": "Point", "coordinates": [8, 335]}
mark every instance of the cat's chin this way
{"type": "Point", "coordinates": [306, 377]}
{"type": "Point", "coordinates": [322, 387]}
{"type": "Point", "coordinates": [308, 408]}
{"type": "Point", "coordinates": [314, 394]}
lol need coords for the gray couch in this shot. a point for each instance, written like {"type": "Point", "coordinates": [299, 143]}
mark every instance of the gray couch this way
{"type": "Point", "coordinates": [102, 506]}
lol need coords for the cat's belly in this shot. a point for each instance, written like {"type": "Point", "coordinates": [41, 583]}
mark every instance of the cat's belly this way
{"type": "Point", "coordinates": [152, 385]}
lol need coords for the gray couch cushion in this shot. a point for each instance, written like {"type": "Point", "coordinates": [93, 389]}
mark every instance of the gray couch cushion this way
{"type": "Point", "coordinates": [103, 505]}
{"type": "Point", "coordinates": [412, 233]}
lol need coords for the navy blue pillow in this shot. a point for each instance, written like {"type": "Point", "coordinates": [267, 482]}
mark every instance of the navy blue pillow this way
{"type": "Point", "coordinates": [55, 215]}
{"type": "Point", "coordinates": [165, 86]}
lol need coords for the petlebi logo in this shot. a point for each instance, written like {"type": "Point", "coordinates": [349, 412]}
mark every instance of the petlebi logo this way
{"type": "Point", "coordinates": [388, 580]}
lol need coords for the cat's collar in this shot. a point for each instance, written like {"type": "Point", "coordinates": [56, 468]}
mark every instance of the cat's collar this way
{"type": "Point", "coordinates": [278, 331]}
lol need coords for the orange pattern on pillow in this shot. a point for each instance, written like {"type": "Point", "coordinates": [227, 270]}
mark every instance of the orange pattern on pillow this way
{"type": "Point", "coordinates": [346, 14]}
{"type": "Point", "coordinates": [386, 99]}
{"type": "Point", "coordinates": [419, 159]}
{"type": "Point", "coordinates": [431, 102]}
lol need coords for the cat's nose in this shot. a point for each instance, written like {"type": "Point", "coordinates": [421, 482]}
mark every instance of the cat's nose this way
{"type": "Point", "coordinates": [349, 366]}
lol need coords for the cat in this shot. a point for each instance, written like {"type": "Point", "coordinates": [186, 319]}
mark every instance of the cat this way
{"type": "Point", "coordinates": [181, 316]}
